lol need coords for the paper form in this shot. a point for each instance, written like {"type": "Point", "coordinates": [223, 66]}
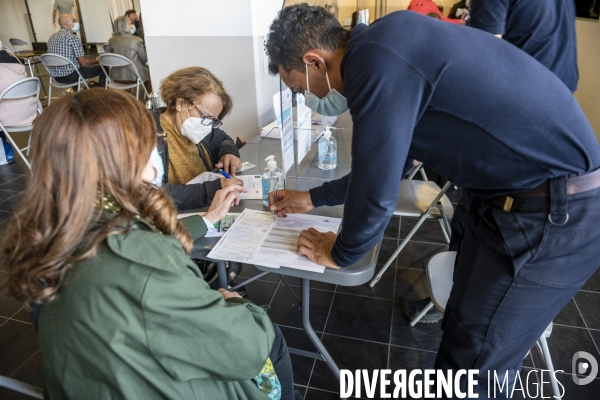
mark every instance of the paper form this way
{"type": "Point", "coordinates": [252, 183]}
{"type": "Point", "coordinates": [303, 126]}
{"type": "Point", "coordinates": [282, 102]}
{"type": "Point", "coordinates": [241, 239]}
{"type": "Point", "coordinates": [278, 245]}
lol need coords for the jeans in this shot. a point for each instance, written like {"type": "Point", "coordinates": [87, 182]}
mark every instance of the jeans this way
{"type": "Point", "coordinates": [282, 363]}
{"type": "Point", "coordinates": [88, 72]}
{"type": "Point", "coordinates": [514, 272]}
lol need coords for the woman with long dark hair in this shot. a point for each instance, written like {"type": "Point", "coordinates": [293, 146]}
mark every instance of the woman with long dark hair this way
{"type": "Point", "coordinates": [97, 250]}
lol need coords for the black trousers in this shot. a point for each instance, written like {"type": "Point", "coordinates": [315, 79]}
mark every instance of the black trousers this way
{"type": "Point", "coordinates": [88, 72]}
{"type": "Point", "coordinates": [514, 272]}
{"type": "Point", "coordinates": [282, 363]}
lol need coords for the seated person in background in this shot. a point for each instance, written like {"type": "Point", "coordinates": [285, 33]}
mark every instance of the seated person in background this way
{"type": "Point", "coordinates": [196, 103]}
{"type": "Point", "coordinates": [15, 112]}
{"type": "Point", "coordinates": [66, 44]}
{"type": "Point", "coordinates": [96, 249]}
{"type": "Point", "coordinates": [124, 43]}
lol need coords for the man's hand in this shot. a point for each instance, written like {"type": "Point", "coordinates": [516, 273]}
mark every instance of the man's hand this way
{"type": "Point", "coordinates": [228, 295]}
{"type": "Point", "coordinates": [226, 182]}
{"type": "Point", "coordinates": [229, 163]}
{"type": "Point", "coordinates": [222, 202]}
{"type": "Point", "coordinates": [316, 246]}
{"type": "Point", "coordinates": [290, 202]}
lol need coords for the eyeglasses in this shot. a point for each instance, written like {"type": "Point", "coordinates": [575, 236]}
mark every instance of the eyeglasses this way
{"type": "Point", "coordinates": [206, 121]}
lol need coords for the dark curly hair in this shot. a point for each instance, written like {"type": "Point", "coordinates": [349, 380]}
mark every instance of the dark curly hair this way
{"type": "Point", "coordinates": [298, 29]}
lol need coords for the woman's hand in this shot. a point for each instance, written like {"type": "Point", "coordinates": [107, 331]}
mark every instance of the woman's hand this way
{"type": "Point", "coordinates": [229, 163]}
{"type": "Point", "coordinates": [228, 295]}
{"type": "Point", "coordinates": [316, 246]}
{"type": "Point", "coordinates": [226, 182]}
{"type": "Point", "coordinates": [290, 202]}
{"type": "Point", "coordinates": [224, 199]}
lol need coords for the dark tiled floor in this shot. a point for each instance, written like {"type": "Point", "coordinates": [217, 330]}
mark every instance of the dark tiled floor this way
{"type": "Point", "coordinates": [362, 327]}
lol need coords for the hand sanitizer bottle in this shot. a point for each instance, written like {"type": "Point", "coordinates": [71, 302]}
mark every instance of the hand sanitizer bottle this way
{"type": "Point", "coordinates": [327, 150]}
{"type": "Point", "coordinates": [272, 179]}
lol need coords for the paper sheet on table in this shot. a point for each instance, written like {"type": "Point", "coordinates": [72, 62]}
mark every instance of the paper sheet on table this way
{"type": "Point", "coordinates": [278, 245]}
{"type": "Point", "coordinates": [241, 239]}
{"type": "Point", "coordinates": [252, 183]}
{"type": "Point", "coordinates": [221, 226]}
{"type": "Point", "coordinates": [282, 102]}
{"type": "Point", "coordinates": [246, 166]}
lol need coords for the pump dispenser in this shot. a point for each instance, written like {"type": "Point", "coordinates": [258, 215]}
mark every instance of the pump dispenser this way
{"type": "Point", "coordinates": [272, 179]}
{"type": "Point", "coordinates": [327, 150]}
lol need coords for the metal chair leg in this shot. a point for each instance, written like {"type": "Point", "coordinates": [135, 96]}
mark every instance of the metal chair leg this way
{"type": "Point", "coordinates": [399, 249]}
{"type": "Point", "coordinates": [421, 314]}
{"type": "Point", "coordinates": [21, 387]}
{"type": "Point", "coordinates": [544, 345]}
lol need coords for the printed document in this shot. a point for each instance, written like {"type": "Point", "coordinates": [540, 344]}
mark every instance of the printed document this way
{"type": "Point", "coordinates": [241, 239]}
{"type": "Point", "coordinates": [278, 245]}
{"type": "Point", "coordinates": [252, 183]}
{"type": "Point", "coordinates": [258, 237]}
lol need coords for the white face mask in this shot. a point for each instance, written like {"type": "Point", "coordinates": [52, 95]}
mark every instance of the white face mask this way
{"type": "Point", "coordinates": [332, 104]}
{"type": "Point", "coordinates": [159, 167]}
{"type": "Point", "coordinates": [75, 28]}
{"type": "Point", "coordinates": [193, 129]}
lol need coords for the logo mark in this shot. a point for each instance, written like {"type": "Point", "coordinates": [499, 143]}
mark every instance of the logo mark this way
{"type": "Point", "coordinates": [583, 367]}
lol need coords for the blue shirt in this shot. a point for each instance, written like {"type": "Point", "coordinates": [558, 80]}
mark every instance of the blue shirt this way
{"type": "Point", "coordinates": [486, 115]}
{"type": "Point", "coordinates": [543, 29]}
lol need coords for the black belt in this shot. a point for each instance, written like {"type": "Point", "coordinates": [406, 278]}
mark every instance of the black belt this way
{"type": "Point", "coordinates": [576, 184]}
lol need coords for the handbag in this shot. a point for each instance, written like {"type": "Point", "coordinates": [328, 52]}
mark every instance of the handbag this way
{"type": "Point", "coordinates": [211, 274]}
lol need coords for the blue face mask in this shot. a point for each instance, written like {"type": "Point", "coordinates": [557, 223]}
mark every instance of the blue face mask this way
{"type": "Point", "coordinates": [158, 165]}
{"type": "Point", "coordinates": [332, 104]}
{"type": "Point", "coordinates": [133, 30]}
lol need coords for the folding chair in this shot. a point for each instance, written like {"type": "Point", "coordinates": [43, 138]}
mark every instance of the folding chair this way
{"type": "Point", "coordinates": [424, 200]}
{"type": "Point", "coordinates": [440, 270]}
{"type": "Point", "coordinates": [31, 57]}
{"type": "Point", "coordinates": [21, 387]}
{"type": "Point", "coordinates": [111, 60]}
{"type": "Point", "coordinates": [55, 60]}
{"type": "Point", "coordinates": [19, 90]}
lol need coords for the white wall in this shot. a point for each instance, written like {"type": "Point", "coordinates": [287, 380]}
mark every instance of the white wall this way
{"type": "Point", "coordinates": [588, 55]}
{"type": "Point", "coordinates": [13, 22]}
{"type": "Point", "coordinates": [226, 38]}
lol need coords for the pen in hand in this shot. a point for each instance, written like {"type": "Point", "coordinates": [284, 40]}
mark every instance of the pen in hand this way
{"type": "Point", "coordinates": [225, 174]}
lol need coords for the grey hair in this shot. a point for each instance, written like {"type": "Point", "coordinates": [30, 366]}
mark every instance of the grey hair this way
{"type": "Point", "coordinates": [122, 25]}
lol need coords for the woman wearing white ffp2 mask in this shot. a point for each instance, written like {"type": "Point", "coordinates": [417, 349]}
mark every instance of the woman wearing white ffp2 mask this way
{"type": "Point", "coordinates": [196, 102]}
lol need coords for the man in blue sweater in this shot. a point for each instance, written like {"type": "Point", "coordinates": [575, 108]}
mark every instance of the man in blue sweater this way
{"type": "Point", "coordinates": [492, 120]}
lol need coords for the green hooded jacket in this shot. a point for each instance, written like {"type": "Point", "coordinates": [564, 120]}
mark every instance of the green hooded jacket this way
{"type": "Point", "coordinates": [137, 321]}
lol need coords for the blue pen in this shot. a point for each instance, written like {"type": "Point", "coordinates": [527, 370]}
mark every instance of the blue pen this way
{"type": "Point", "coordinates": [225, 174]}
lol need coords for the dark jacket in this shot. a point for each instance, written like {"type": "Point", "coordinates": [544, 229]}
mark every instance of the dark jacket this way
{"type": "Point", "coordinates": [217, 144]}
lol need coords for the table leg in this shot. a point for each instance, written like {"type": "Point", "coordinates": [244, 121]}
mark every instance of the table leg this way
{"type": "Point", "coordinates": [311, 332]}
{"type": "Point", "coordinates": [222, 270]}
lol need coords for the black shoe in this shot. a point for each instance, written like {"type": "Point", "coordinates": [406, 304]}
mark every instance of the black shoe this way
{"type": "Point", "coordinates": [298, 395]}
{"type": "Point", "coordinates": [411, 310]}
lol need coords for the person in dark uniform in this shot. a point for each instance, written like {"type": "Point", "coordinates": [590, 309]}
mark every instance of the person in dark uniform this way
{"type": "Point", "coordinates": [544, 30]}
{"type": "Point", "coordinates": [518, 141]}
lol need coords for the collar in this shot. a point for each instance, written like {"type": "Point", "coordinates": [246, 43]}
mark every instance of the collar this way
{"type": "Point", "coordinates": [66, 30]}
{"type": "Point", "coordinates": [357, 29]}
